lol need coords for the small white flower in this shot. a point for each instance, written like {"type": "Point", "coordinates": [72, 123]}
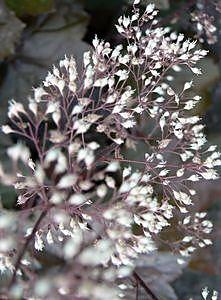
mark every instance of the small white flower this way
{"type": "Point", "coordinates": [19, 151]}
{"type": "Point", "coordinates": [7, 129]}
{"type": "Point", "coordinates": [136, 2]}
{"type": "Point", "coordinates": [39, 244]}
{"type": "Point", "coordinates": [101, 82]}
{"type": "Point", "coordinates": [61, 84]}
{"type": "Point", "coordinates": [95, 42]}
{"type": "Point", "coordinates": [110, 182]}
{"type": "Point", "coordinates": [38, 93]}
{"type": "Point", "coordinates": [187, 85]}
{"type": "Point", "coordinates": [49, 237]}
{"type": "Point", "coordinates": [193, 178]}
{"type": "Point", "coordinates": [215, 295]}
{"type": "Point", "coordinates": [15, 108]}
{"type": "Point", "coordinates": [31, 164]}
{"type": "Point", "coordinates": [87, 57]}
{"type": "Point", "coordinates": [126, 21]}
{"type": "Point", "coordinates": [205, 293]}
{"type": "Point", "coordinates": [129, 123]}
{"type": "Point", "coordinates": [187, 239]}
{"type": "Point", "coordinates": [150, 8]}
{"type": "Point", "coordinates": [77, 199]}
{"type": "Point", "coordinates": [77, 109]}
{"type": "Point", "coordinates": [122, 74]}
{"type": "Point", "coordinates": [180, 261]}
{"type": "Point", "coordinates": [81, 126]}
{"type": "Point", "coordinates": [64, 63]}
{"type": "Point", "coordinates": [164, 172]}
{"type": "Point", "coordinates": [180, 172]}
{"type": "Point", "coordinates": [66, 181]}
{"type": "Point", "coordinates": [101, 190]}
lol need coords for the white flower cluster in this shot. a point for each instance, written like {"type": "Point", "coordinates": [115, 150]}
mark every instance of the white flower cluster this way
{"type": "Point", "coordinates": [206, 295]}
{"type": "Point", "coordinates": [80, 197]}
{"type": "Point", "coordinates": [205, 26]}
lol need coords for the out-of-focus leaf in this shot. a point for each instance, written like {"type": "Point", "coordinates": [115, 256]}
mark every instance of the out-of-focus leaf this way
{"type": "Point", "coordinates": [203, 261]}
{"type": "Point", "coordinates": [10, 31]}
{"type": "Point", "coordinates": [45, 47]}
{"type": "Point", "coordinates": [158, 270]}
{"type": "Point", "coordinates": [30, 7]}
{"type": "Point", "coordinates": [8, 196]}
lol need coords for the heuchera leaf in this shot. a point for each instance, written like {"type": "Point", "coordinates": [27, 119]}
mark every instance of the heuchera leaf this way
{"type": "Point", "coordinates": [30, 7]}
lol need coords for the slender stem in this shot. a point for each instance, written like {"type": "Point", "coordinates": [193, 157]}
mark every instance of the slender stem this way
{"type": "Point", "coordinates": [137, 290]}
{"type": "Point", "coordinates": [25, 246]}
{"type": "Point", "coordinates": [143, 284]}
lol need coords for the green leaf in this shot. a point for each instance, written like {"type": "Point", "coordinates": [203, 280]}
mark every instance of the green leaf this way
{"type": "Point", "coordinates": [30, 7]}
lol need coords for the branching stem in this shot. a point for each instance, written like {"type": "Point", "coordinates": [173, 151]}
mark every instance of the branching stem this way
{"type": "Point", "coordinates": [25, 246]}
{"type": "Point", "coordinates": [143, 284]}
